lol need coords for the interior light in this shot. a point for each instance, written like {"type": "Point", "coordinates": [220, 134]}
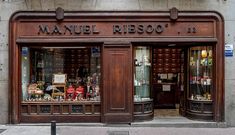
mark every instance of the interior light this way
{"type": "Point", "coordinates": [172, 45]}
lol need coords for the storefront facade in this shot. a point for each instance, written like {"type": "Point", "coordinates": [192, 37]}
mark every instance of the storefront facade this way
{"type": "Point", "coordinates": [120, 59]}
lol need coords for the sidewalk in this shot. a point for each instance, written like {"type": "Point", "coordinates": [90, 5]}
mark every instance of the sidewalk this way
{"type": "Point", "coordinates": [82, 130]}
{"type": "Point", "coordinates": [158, 126]}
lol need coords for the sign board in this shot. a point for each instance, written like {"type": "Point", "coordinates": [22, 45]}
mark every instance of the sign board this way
{"type": "Point", "coordinates": [166, 87]}
{"type": "Point", "coordinates": [59, 78]}
{"type": "Point", "coordinates": [228, 50]}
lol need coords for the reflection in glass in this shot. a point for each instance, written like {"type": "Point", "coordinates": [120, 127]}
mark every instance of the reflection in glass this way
{"type": "Point", "coordinates": [79, 68]}
{"type": "Point", "coordinates": [142, 73]}
{"type": "Point", "coordinates": [201, 60]}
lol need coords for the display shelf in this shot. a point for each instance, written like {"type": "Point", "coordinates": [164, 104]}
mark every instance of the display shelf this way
{"type": "Point", "coordinates": [75, 60]}
{"type": "Point", "coordinates": [142, 73]}
{"type": "Point", "coordinates": [75, 63]}
{"type": "Point", "coordinates": [200, 73]}
{"type": "Point", "coordinates": [200, 95]}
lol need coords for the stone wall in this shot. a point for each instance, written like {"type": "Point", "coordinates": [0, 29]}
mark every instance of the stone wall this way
{"type": "Point", "coordinates": [225, 7]}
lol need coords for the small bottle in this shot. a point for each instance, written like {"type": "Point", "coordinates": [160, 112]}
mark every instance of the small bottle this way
{"type": "Point", "coordinates": [192, 97]}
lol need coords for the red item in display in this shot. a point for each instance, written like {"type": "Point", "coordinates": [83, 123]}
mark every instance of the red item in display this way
{"type": "Point", "coordinates": [69, 91]}
{"type": "Point", "coordinates": [79, 90]}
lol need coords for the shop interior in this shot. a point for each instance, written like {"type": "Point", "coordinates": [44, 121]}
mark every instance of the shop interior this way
{"type": "Point", "coordinates": [174, 77]}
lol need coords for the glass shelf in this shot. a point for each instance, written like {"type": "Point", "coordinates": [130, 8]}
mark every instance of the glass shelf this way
{"type": "Point", "coordinates": [201, 60]}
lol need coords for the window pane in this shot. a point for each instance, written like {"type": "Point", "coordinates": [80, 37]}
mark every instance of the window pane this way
{"type": "Point", "coordinates": [201, 60]}
{"type": "Point", "coordinates": [60, 74]}
{"type": "Point", "coordinates": [142, 73]}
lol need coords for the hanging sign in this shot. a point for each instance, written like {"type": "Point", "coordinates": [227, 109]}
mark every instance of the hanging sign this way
{"type": "Point", "coordinates": [228, 50]}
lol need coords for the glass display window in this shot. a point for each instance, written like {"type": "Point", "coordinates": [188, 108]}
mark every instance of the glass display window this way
{"type": "Point", "coordinates": [200, 73]}
{"type": "Point", "coordinates": [142, 73]}
{"type": "Point", "coordinates": [60, 74]}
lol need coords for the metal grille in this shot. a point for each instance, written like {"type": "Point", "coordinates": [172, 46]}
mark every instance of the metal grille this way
{"type": "Point", "coordinates": [118, 132]}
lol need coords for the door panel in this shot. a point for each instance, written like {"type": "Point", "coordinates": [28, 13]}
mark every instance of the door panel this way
{"type": "Point", "coordinates": [117, 84]}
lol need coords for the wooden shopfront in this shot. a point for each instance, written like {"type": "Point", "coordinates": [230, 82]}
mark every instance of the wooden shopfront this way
{"type": "Point", "coordinates": [115, 67]}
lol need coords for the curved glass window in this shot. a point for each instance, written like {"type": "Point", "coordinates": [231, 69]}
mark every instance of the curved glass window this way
{"type": "Point", "coordinates": [200, 76]}
{"type": "Point", "coordinates": [142, 73]}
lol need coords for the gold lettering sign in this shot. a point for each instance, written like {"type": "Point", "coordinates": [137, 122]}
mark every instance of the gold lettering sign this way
{"type": "Point", "coordinates": [118, 29]}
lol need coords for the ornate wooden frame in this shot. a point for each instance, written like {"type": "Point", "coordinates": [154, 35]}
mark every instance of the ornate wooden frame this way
{"type": "Point", "coordinates": [22, 32]}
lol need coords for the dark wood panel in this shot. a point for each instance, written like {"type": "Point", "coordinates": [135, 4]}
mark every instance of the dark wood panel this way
{"type": "Point", "coordinates": [143, 110]}
{"type": "Point", "coordinates": [117, 82]}
{"type": "Point", "coordinates": [60, 111]}
{"type": "Point", "coordinates": [117, 90]}
{"type": "Point", "coordinates": [199, 109]}
{"type": "Point", "coordinates": [60, 118]}
{"type": "Point", "coordinates": [127, 28]}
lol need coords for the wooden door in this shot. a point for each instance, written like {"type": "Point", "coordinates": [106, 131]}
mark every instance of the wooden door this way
{"type": "Point", "coordinates": [117, 84]}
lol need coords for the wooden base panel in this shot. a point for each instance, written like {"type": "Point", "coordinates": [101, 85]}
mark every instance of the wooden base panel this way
{"type": "Point", "coordinates": [57, 118]}
{"type": "Point", "coordinates": [143, 117]}
{"type": "Point", "coordinates": [37, 112]}
{"type": "Point", "coordinates": [199, 116]}
{"type": "Point", "coordinates": [143, 110]}
{"type": "Point", "coordinates": [200, 109]}
{"type": "Point", "coordinates": [123, 118]}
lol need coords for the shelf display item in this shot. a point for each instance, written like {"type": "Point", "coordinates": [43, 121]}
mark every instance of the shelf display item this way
{"type": "Point", "coordinates": [69, 92]}
{"type": "Point", "coordinates": [34, 90]}
{"type": "Point", "coordinates": [58, 92]}
{"type": "Point", "coordinates": [79, 93]}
